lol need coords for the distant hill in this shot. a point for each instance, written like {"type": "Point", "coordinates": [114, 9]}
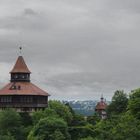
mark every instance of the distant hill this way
{"type": "Point", "coordinates": [85, 108]}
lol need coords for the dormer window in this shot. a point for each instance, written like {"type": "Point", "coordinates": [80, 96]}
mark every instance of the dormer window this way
{"type": "Point", "coordinates": [19, 87]}
{"type": "Point", "coordinates": [13, 87]}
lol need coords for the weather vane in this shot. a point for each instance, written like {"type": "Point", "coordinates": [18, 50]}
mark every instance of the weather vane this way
{"type": "Point", "coordinates": [102, 97]}
{"type": "Point", "coordinates": [20, 50]}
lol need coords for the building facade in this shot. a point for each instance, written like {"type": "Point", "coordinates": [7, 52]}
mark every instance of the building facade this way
{"type": "Point", "coordinates": [20, 93]}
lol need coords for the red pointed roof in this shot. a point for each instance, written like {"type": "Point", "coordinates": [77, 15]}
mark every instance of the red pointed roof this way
{"type": "Point", "coordinates": [101, 105]}
{"type": "Point", "coordinates": [22, 88]}
{"type": "Point", "coordinates": [20, 66]}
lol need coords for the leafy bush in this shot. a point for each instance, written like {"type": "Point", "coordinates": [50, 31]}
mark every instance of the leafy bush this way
{"type": "Point", "coordinates": [50, 129]}
{"type": "Point", "coordinates": [62, 110]}
{"type": "Point", "coordinates": [10, 123]}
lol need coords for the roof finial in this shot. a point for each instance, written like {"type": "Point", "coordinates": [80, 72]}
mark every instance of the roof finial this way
{"type": "Point", "coordinates": [20, 50]}
{"type": "Point", "coordinates": [102, 97]}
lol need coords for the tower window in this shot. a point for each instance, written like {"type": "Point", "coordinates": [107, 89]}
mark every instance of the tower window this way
{"type": "Point", "coordinates": [6, 99]}
{"type": "Point", "coordinates": [26, 99]}
{"type": "Point", "coordinates": [16, 76]}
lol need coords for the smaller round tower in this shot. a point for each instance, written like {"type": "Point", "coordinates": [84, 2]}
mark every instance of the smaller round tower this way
{"type": "Point", "coordinates": [101, 108]}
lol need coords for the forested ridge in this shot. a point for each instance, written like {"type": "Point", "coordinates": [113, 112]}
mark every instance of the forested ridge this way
{"type": "Point", "coordinates": [60, 122]}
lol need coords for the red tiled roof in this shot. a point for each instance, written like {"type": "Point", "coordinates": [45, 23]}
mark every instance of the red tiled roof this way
{"type": "Point", "coordinates": [101, 105]}
{"type": "Point", "coordinates": [22, 88]}
{"type": "Point", "coordinates": [20, 66]}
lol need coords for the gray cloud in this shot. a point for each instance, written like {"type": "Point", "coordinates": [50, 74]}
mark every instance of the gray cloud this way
{"type": "Point", "coordinates": [29, 12]}
{"type": "Point", "coordinates": [75, 49]}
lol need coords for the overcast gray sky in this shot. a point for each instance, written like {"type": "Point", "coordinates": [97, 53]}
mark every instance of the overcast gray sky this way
{"type": "Point", "coordinates": [76, 49]}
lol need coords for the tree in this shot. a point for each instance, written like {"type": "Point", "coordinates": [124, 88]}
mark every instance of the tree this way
{"type": "Point", "coordinates": [48, 112]}
{"type": "Point", "coordinates": [93, 119]}
{"type": "Point", "coordinates": [26, 119]}
{"type": "Point", "coordinates": [118, 104]}
{"type": "Point", "coordinates": [62, 110]}
{"type": "Point", "coordinates": [6, 137]}
{"type": "Point", "coordinates": [78, 132]}
{"type": "Point", "coordinates": [128, 127]}
{"type": "Point", "coordinates": [58, 135]}
{"type": "Point", "coordinates": [103, 129]}
{"type": "Point", "coordinates": [88, 138]}
{"type": "Point", "coordinates": [70, 109]}
{"type": "Point", "coordinates": [78, 120]}
{"type": "Point", "coordinates": [10, 124]}
{"type": "Point", "coordinates": [134, 103]}
{"type": "Point", "coordinates": [50, 129]}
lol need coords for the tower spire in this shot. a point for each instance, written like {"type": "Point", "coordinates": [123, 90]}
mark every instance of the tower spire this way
{"type": "Point", "coordinates": [20, 71]}
{"type": "Point", "coordinates": [102, 98]}
{"type": "Point", "coordinates": [20, 50]}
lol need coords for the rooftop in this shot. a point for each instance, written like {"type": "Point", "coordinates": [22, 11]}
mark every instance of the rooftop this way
{"type": "Point", "coordinates": [20, 66]}
{"type": "Point", "coordinates": [22, 88]}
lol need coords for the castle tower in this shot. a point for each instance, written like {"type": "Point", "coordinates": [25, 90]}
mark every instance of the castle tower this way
{"type": "Point", "coordinates": [101, 108]}
{"type": "Point", "coordinates": [20, 93]}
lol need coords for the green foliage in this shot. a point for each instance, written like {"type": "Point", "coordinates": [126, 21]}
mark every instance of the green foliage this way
{"type": "Point", "coordinates": [62, 110]}
{"type": "Point", "coordinates": [59, 122]}
{"type": "Point", "coordinates": [36, 116]}
{"type": "Point", "coordinates": [58, 135]}
{"type": "Point", "coordinates": [81, 132]}
{"type": "Point", "coordinates": [26, 119]}
{"type": "Point", "coordinates": [128, 128]}
{"type": "Point", "coordinates": [70, 109]}
{"type": "Point", "coordinates": [10, 124]}
{"type": "Point", "coordinates": [88, 138]}
{"type": "Point", "coordinates": [78, 120]}
{"type": "Point", "coordinates": [121, 125]}
{"type": "Point", "coordinates": [134, 103]}
{"type": "Point", "coordinates": [93, 119]}
{"type": "Point", "coordinates": [50, 129]}
{"type": "Point", "coordinates": [103, 130]}
{"type": "Point", "coordinates": [9, 119]}
{"type": "Point", "coordinates": [6, 137]}
{"type": "Point", "coordinates": [118, 104]}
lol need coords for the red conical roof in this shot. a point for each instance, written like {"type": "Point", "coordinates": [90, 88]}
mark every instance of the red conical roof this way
{"type": "Point", "coordinates": [20, 66]}
{"type": "Point", "coordinates": [101, 105]}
